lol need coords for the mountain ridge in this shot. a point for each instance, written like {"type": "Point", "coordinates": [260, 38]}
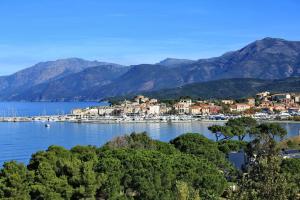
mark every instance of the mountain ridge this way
{"type": "Point", "coordinates": [235, 88]}
{"type": "Point", "coordinates": [43, 72]}
{"type": "Point", "coordinates": [268, 59]}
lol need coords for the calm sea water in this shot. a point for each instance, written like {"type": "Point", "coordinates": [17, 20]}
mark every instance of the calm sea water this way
{"type": "Point", "coordinates": [19, 140]}
{"type": "Point", "coordinates": [8, 109]}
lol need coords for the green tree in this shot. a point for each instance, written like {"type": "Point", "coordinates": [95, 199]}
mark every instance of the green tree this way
{"type": "Point", "coordinates": [14, 181]}
{"type": "Point", "coordinates": [130, 167]}
{"type": "Point", "coordinates": [291, 170]}
{"type": "Point", "coordinates": [198, 145]}
{"type": "Point", "coordinates": [185, 192]}
{"type": "Point", "coordinates": [227, 146]}
{"type": "Point", "coordinates": [263, 179]}
{"type": "Point", "coordinates": [223, 132]}
{"type": "Point", "coordinates": [242, 126]}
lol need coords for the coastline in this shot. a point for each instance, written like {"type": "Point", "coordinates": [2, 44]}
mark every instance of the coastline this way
{"type": "Point", "coordinates": [117, 120]}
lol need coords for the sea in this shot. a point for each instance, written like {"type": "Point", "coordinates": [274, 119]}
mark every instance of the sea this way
{"type": "Point", "coordinates": [19, 140]}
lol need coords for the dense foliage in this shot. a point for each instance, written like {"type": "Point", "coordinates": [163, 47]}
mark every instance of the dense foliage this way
{"type": "Point", "coordinates": [264, 177]}
{"type": "Point", "coordinates": [129, 167]}
{"type": "Point", "coordinates": [200, 146]}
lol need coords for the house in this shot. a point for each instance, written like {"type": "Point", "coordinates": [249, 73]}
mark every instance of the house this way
{"type": "Point", "coordinates": [91, 111]}
{"type": "Point", "coordinates": [228, 102]}
{"type": "Point", "coordinates": [164, 108]}
{"type": "Point", "coordinates": [183, 106]}
{"type": "Point", "coordinates": [262, 95]}
{"type": "Point", "coordinates": [153, 101]}
{"type": "Point", "coordinates": [195, 110]}
{"type": "Point", "coordinates": [153, 110]}
{"type": "Point", "coordinates": [280, 97]}
{"type": "Point", "coordinates": [213, 109]}
{"type": "Point", "coordinates": [141, 99]}
{"type": "Point", "coordinates": [105, 110]}
{"type": "Point", "coordinates": [239, 107]}
{"type": "Point", "coordinates": [297, 98]}
{"type": "Point", "coordinates": [251, 102]}
{"type": "Point", "coordinates": [279, 107]}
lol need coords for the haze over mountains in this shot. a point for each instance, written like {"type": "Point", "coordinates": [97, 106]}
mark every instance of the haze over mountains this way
{"type": "Point", "coordinates": [78, 79]}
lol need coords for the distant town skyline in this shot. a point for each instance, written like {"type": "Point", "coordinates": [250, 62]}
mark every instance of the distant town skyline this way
{"type": "Point", "coordinates": [134, 32]}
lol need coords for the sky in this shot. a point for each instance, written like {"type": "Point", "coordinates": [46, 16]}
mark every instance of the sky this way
{"type": "Point", "coordinates": [137, 31]}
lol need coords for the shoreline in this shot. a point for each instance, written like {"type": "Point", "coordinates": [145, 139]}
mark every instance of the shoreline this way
{"type": "Point", "coordinates": [120, 120]}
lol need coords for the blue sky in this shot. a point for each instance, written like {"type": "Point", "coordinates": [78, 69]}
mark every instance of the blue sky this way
{"type": "Point", "coordinates": [137, 31]}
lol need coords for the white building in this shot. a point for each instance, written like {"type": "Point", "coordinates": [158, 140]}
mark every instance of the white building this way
{"type": "Point", "coordinates": [153, 110]}
{"type": "Point", "coordinates": [183, 106]}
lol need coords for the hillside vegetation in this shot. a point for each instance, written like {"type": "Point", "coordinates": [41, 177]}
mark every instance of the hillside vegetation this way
{"type": "Point", "coordinates": [223, 89]}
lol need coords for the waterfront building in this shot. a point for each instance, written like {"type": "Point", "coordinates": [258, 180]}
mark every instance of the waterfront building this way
{"type": "Point", "coordinates": [227, 102]}
{"type": "Point", "coordinates": [239, 107]}
{"type": "Point", "coordinates": [280, 96]}
{"type": "Point", "coordinates": [297, 98]}
{"type": "Point", "coordinates": [251, 102]}
{"type": "Point", "coordinates": [183, 106]}
{"type": "Point", "coordinates": [262, 95]}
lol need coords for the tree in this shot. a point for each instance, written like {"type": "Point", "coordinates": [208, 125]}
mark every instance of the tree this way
{"type": "Point", "coordinates": [263, 179]}
{"type": "Point", "coordinates": [14, 181]}
{"type": "Point", "coordinates": [264, 140]}
{"type": "Point", "coordinates": [198, 145]}
{"type": "Point", "coordinates": [185, 192]}
{"type": "Point", "coordinates": [241, 126]}
{"type": "Point", "coordinates": [221, 131]}
{"type": "Point", "coordinates": [291, 169]}
{"type": "Point", "coordinates": [227, 146]}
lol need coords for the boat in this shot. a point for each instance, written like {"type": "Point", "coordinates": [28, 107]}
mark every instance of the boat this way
{"type": "Point", "coordinates": [47, 125]}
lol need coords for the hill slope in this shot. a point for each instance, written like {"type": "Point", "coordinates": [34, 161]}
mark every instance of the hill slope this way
{"type": "Point", "coordinates": [226, 88]}
{"type": "Point", "coordinates": [41, 73]}
{"type": "Point", "coordinates": [75, 86]}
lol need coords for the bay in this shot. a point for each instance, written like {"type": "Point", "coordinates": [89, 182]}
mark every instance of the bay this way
{"type": "Point", "coordinates": [22, 109]}
{"type": "Point", "coordinates": [18, 141]}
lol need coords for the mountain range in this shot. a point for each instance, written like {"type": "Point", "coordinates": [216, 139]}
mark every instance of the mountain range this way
{"type": "Point", "coordinates": [235, 88]}
{"type": "Point", "coordinates": [72, 79]}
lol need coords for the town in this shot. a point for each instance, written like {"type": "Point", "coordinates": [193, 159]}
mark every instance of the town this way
{"type": "Point", "coordinates": [264, 106]}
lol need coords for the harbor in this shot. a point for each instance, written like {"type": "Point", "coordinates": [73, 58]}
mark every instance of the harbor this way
{"type": "Point", "coordinates": [139, 119]}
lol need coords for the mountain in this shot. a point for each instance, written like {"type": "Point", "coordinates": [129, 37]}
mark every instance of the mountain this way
{"type": "Point", "coordinates": [174, 62]}
{"type": "Point", "coordinates": [42, 73]}
{"type": "Point", "coordinates": [72, 87]}
{"type": "Point", "coordinates": [139, 78]}
{"type": "Point", "coordinates": [225, 88]}
{"type": "Point", "coordinates": [266, 59]}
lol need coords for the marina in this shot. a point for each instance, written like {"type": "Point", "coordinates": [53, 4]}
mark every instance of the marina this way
{"type": "Point", "coordinates": [137, 119]}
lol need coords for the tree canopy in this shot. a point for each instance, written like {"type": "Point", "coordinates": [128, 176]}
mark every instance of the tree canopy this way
{"type": "Point", "coordinates": [128, 167]}
{"type": "Point", "coordinates": [238, 127]}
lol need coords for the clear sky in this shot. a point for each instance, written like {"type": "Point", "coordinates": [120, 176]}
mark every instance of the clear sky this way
{"type": "Point", "coordinates": [137, 31]}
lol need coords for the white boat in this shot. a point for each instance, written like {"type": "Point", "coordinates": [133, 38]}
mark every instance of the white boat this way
{"type": "Point", "coordinates": [47, 125]}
